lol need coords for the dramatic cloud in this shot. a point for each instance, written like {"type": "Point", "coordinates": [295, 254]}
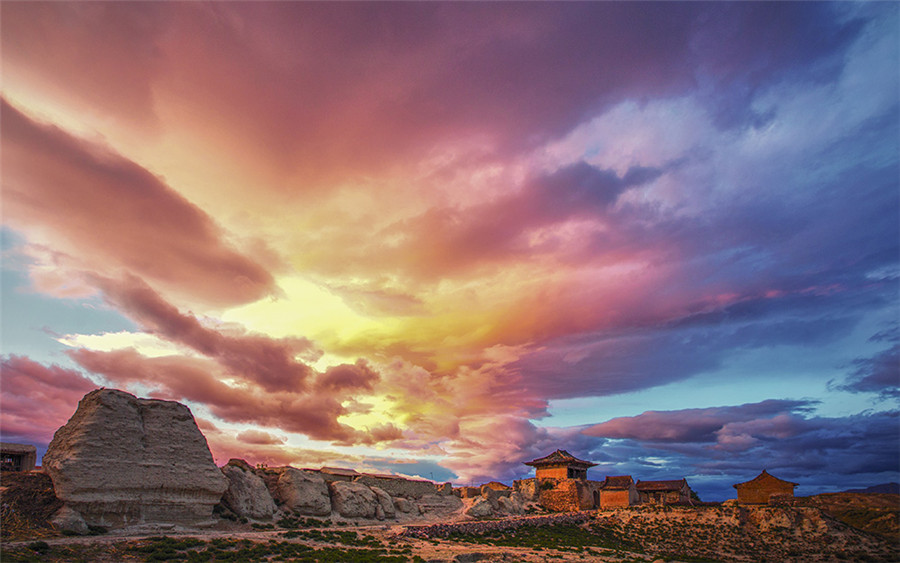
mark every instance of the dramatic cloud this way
{"type": "Point", "coordinates": [880, 373]}
{"type": "Point", "coordinates": [103, 212]}
{"type": "Point", "coordinates": [198, 380]}
{"type": "Point", "coordinates": [35, 400]}
{"type": "Point", "coordinates": [460, 234]}
{"type": "Point", "coordinates": [269, 362]}
{"type": "Point", "coordinates": [258, 437]}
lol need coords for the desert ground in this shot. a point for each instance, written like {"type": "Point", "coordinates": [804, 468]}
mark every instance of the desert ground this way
{"type": "Point", "coordinates": [809, 531]}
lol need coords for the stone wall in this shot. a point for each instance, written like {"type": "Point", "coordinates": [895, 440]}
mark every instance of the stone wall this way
{"type": "Point", "coordinates": [568, 495]}
{"type": "Point", "coordinates": [445, 530]}
{"type": "Point", "coordinates": [404, 487]}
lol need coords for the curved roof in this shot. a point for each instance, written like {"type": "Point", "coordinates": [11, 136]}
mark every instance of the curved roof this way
{"type": "Point", "coordinates": [559, 457]}
{"type": "Point", "coordinates": [764, 478]}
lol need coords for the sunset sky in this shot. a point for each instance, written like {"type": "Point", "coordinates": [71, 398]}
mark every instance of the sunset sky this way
{"type": "Point", "coordinates": [441, 239]}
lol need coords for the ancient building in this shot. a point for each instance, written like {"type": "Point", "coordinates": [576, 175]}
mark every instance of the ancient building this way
{"type": "Point", "coordinates": [338, 474]}
{"type": "Point", "coordinates": [560, 465]}
{"type": "Point", "coordinates": [615, 492]}
{"type": "Point", "coordinates": [17, 457]}
{"type": "Point", "coordinates": [763, 489]}
{"type": "Point", "coordinates": [569, 494]}
{"type": "Point", "coordinates": [664, 492]}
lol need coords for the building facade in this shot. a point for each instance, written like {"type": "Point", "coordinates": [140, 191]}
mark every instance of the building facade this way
{"type": "Point", "coordinates": [615, 492]}
{"type": "Point", "coordinates": [17, 457]}
{"type": "Point", "coordinates": [664, 492]}
{"type": "Point", "coordinates": [763, 489]}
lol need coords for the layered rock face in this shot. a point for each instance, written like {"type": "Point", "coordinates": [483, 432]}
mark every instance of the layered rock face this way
{"type": "Point", "coordinates": [121, 460]}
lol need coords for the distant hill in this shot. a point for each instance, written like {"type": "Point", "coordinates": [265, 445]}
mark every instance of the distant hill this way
{"type": "Point", "coordinates": [884, 488]}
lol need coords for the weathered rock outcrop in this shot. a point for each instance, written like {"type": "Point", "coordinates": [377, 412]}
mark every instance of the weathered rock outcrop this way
{"type": "Point", "coordinates": [403, 505]}
{"type": "Point", "coordinates": [407, 488]}
{"type": "Point", "coordinates": [303, 492]}
{"type": "Point", "coordinates": [511, 504]}
{"type": "Point", "coordinates": [386, 502]}
{"type": "Point", "coordinates": [121, 460]}
{"type": "Point", "coordinates": [439, 505]}
{"type": "Point", "coordinates": [247, 494]}
{"type": "Point", "coordinates": [481, 508]}
{"type": "Point", "coordinates": [353, 500]}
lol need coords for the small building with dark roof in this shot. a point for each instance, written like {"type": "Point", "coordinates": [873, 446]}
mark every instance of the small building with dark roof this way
{"type": "Point", "coordinates": [664, 492]}
{"type": "Point", "coordinates": [616, 491]}
{"type": "Point", "coordinates": [17, 457]}
{"type": "Point", "coordinates": [338, 474]}
{"type": "Point", "coordinates": [560, 465]}
{"type": "Point", "coordinates": [763, 489]}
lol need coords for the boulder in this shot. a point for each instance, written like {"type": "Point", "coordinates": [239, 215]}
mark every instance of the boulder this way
{"type": "Point", "coordinates": [385, 501]}
{"type": "Point", "coordinates": [70, 520]}
{"type": "Point", "coordinates": [509, 505]}
{"type": "Point", "coordinates": [439, 505]}
{"type": "Point", "coordinates": [353, 500]}
{"type": "Point", "coordinates": [481, 508]}
{"type": "Point", "coordinates": [247, 494]}
{"type": "Point", "coordinates": [303, 492]}
{"type": "Point", "coordinates": [121, 461]}
{"type": "Point", "coordinates": [403, 505]}
{"type": "Point", "coordinates": [491, 495]}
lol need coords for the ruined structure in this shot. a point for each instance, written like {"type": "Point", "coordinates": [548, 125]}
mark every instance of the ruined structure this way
{"type": "Point", "coordinates": [17, 457]}
{"type": "Point", "coordinates": [664, 492]}
{"type": "Point", "coordinates": [764, 489]}
{"type": "Point", "coordinates": [560, 465]}
{"type": "Point", "coordinates": [616, 491]}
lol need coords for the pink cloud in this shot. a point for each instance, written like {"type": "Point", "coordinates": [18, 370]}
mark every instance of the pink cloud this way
{"type": "Point", "coordinates": [267, 361]}
{"type": "Point", "coordinates": [117, 214]}
{"type": "Point", "coordinates": [35, 400]}
{"type": "Point", "coordinates": [176, 377]}
{"type": "Point", "coordinates": [347, 376]}
{"type": "Point", "coordinates": [729, 427]}
{"type": "Point", "coordinates": [258, 437]}
{"type": "Point", "coordinates": [386, 92]}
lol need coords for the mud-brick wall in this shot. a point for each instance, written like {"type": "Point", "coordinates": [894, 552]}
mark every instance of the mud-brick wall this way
{"type": "Point", "coordinates": [552, 472]}
{"type": "Point", "coordinates": [567, 495]}
{"type": "Point", "coordinates": [760, 494]}
{"type": "Point", "coordinates": [610, 499]}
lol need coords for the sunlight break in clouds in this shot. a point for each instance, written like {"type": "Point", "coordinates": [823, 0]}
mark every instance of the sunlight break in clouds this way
{"type": "Point", "coordinates": [386, 235]}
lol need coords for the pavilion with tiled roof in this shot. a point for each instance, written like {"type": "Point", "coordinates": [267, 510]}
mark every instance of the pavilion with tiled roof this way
{"type": "Point", "coordinates": [560, 465]}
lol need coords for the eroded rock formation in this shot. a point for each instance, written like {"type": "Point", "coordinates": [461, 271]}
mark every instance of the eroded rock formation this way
{"type": "Point", "coordinates": [121, 460]}
{"type": "Point", "coordinates": [247, 494]}
{"type": "Point", "coordinates": [302, 492]}
{"type": "Point", "coordinates": [353, 500]}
